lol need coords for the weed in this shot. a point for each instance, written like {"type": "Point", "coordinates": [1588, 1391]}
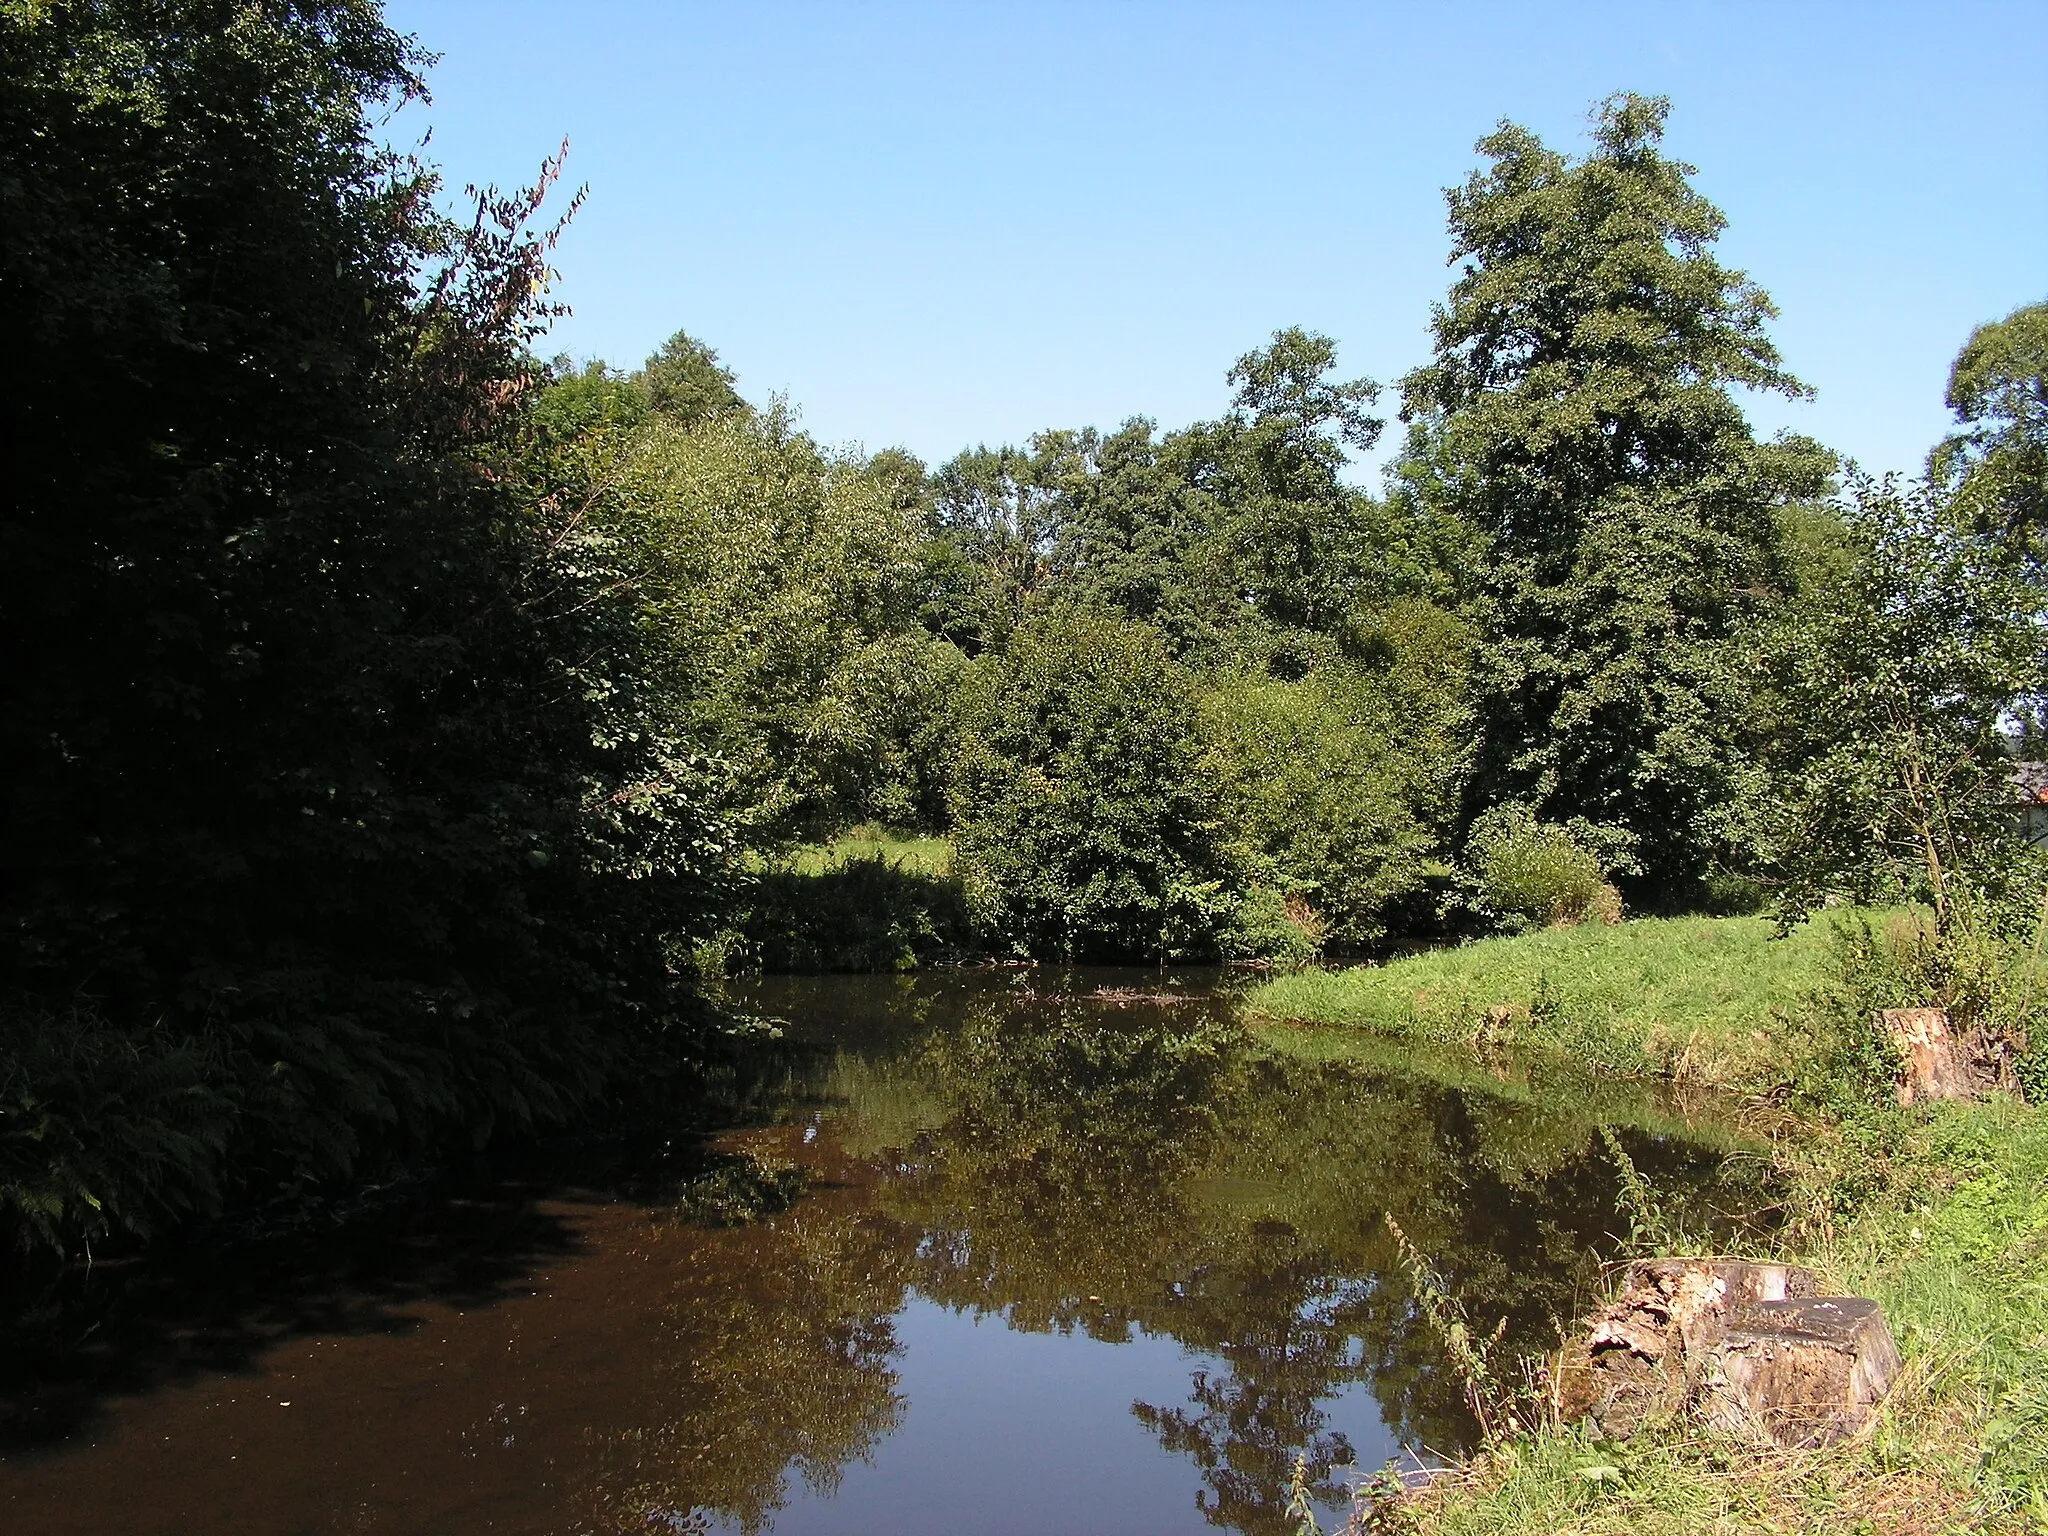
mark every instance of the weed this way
{"type": "Point", "coordinates": [1500, 1410]}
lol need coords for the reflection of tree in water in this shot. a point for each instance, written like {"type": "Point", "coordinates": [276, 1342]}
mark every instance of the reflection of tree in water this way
{"type": "Point", "coordinates": [778, 1361]}
{"type": "Point", "coordinates": [1077, 1168]}
{"type": "Point", "coordinates": [1245, 1427]}
{"type": "Point", "coordinates": [1073, 1168]}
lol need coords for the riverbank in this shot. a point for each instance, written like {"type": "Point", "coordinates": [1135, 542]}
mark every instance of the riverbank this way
{"type": "Point", "coordinates": [1717, 1000]}
{"type": "Point", "coordinates": [1948, 1228]}
{"type": "Point", "coordinates": [1939, 1212]}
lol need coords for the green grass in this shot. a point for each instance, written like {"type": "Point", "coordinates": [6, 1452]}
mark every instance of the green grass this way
{"type": "Point", "coordinates": [869, 900]}
{"type": "Point", "coordinates": [906, 851]}
{"type": "Point", "coordinates": [1698, 997]}
{"type": "Point", "coordinates": [1940, 1213]}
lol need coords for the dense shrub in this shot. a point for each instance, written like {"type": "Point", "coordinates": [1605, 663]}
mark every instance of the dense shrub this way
{"type": "Point", "coordinates": [1086, 821]}
{"type": "Point", "coordinates": [1529, 874]}
{"type": "Point", "coordinates": [778, 588]}
{"type": "Point", "coordinates": [333, 834]}
{"type": "Point", "coordinates": [1338, 786]}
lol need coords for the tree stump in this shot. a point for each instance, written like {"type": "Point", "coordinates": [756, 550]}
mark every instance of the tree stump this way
{"type": "Point", "coordinates": [1747, 1346]}
{"type": "Point", "coordinates": [1800, 1373]}
{"type": "Point", "coordinates": [1639, 1357]}
{"type": "Point", "coordinates": [1932, 1064]}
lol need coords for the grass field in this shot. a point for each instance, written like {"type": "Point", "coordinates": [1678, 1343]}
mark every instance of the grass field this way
{"type": "Point", "coordinates": [1706, 998]}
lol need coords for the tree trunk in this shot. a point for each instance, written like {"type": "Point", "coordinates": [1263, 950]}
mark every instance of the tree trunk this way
{"type": "Point", "coordinates": [1931, 1060]}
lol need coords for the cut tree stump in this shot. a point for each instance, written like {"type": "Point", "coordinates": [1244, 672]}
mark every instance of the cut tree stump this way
{"type": "Point", "coordinates": [1932, 1063]}
{"type": "Point", "coordinates": [1800, 1373]}
{"type": "Point", "coordinates": [1638, 1359]}
{"type": "Point", "coordinates": [1747, 1346]}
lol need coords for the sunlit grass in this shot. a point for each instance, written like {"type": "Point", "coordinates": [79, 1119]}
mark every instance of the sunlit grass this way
{"type": "Point", "coordinates": [1691, 996]}
{"type": "Point", "coordinates": [907, 851]}
{"type": "Point", "coordinates": [1957, 1252]}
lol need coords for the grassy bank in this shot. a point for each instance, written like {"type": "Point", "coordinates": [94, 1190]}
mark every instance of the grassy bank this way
{"type": "Point", "coordinates": [1953, 1240]}
{"type": "Point", "coordinates": [870, 900]}
{"type": "Point", "coordinates": [1706, 998]}
{"type": "Point", "coordinates": [1940, 1213]}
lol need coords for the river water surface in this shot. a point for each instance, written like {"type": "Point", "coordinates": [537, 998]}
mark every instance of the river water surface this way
{"type": "Point", "coordinates": [1062, 1251]}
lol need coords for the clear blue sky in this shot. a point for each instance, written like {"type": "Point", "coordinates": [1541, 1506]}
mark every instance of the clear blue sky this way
{"type": "Point", "coordinates": [947, 224]}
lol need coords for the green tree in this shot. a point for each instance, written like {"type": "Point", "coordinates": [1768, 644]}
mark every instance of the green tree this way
{"type": "Point", "coordinates": [1578, 416]}
{"type": "Point", "coordinates": [997, 512]}
{"type": "Point", "coordinates": [579, 400]}
{"type": "Point", "coordinates": [1892, 692]}
{"type": "Point", "coordinates": [1238, 539]}
{"type": "Point", "coordinates": [317, 837]}
{"type": "Point", "coordinates": [776, 590]}
{"type": "Point", "coordinates": [1343, 786]}
{"type": "Point", "coordinates": [1998, 462]}
{"type": "Point", "coordinates": [685, 381]}
{"type": "Point", "coordinates": [1084, 823]}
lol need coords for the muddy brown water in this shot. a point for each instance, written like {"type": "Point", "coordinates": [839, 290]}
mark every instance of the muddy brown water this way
{"type": "Point", "coordinates": [1076, 1252]}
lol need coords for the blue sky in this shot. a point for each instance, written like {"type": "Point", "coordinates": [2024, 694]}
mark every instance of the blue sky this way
{"type": "Point", "coordinates": [940, 225]}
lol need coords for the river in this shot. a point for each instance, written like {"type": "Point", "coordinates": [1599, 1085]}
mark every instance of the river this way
{"type": "Point", "coordinates": [1032, 1251]}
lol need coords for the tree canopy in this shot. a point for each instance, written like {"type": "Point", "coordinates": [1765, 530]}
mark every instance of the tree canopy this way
{"type": "Point", "coordinates": [1579, 415]}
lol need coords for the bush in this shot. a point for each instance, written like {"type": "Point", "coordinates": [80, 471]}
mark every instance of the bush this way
{"type": "Point", "coordinates": [1086, 820]}
{"type": "Point", "coordinates": [336, 837]}
{"type": "Point", "coordinates": [1529, 874]}
{"type": "Point", "coordinates": [861, 914]}
{"type": "Point", "coordinates": [1327, 792]}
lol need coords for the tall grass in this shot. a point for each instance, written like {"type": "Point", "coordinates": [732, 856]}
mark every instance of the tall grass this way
{"type": "Point", "coordinates": [1956, 1248]}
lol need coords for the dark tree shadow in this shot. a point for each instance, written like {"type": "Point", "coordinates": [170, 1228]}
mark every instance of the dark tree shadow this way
{"type": "Point", "coordinates": [77, 1339]}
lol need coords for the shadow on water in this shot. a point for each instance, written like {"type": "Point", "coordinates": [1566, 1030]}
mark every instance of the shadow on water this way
{"type": "Point", "coordinates": [127, 1329]}
{"type": "Point", "coordinates": [1078, 1236]}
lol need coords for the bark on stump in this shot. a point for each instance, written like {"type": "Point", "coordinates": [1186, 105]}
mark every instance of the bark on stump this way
{"type": "Point", "coordinates": [1932, 1063]}
{"type": "Point", "coordinates": [1800, 1373]}
{"type": "Point", "coordinates": [1746, 1346]}
{"type": "Point", "coordinates": [1639, 1358]}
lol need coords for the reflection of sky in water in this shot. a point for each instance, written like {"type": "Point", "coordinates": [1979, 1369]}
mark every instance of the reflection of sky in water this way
{"type": "Point", "coordinates": [993, 1415]}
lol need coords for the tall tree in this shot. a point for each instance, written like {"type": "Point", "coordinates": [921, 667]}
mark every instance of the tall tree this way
{"type": "Point", "coordinates": [1889, 773]}
{"type": "Point", "coordinates": [998, 515]}
{"type": "Point", "coordinates": [1578, 415]}
{"type": "Point", "coordinates": [1237, 538]}
{"type": "Point", "coordinates": [1998, 460]}
{"type": "Point", "coordinates": [685, 380]}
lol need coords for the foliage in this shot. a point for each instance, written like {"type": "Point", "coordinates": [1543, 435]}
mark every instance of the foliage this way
{"type": "Point", "coordinates": [994, 512]}
{"type": "Point", "coordinates": [685, 382]}
{"type": "Point", "coordinates": [331, 843]}
{"type": "Point", "coordinates": [1085, 824]}
{"type": "Point", "coordinates": [1888, 774]}
{"type": "Point", "coordinates": [1998, 463]}
{"type": "Point", "coordinates": [1341, 785]}
{"type": "Point", "coordinates": [1578, 416]}
{"type": "Point", "coordinates": [1531, 874]}
{"type": "Point", "coordinates": [777, 589]}
{"type": "Point", "coordinates": [1237, 539]}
